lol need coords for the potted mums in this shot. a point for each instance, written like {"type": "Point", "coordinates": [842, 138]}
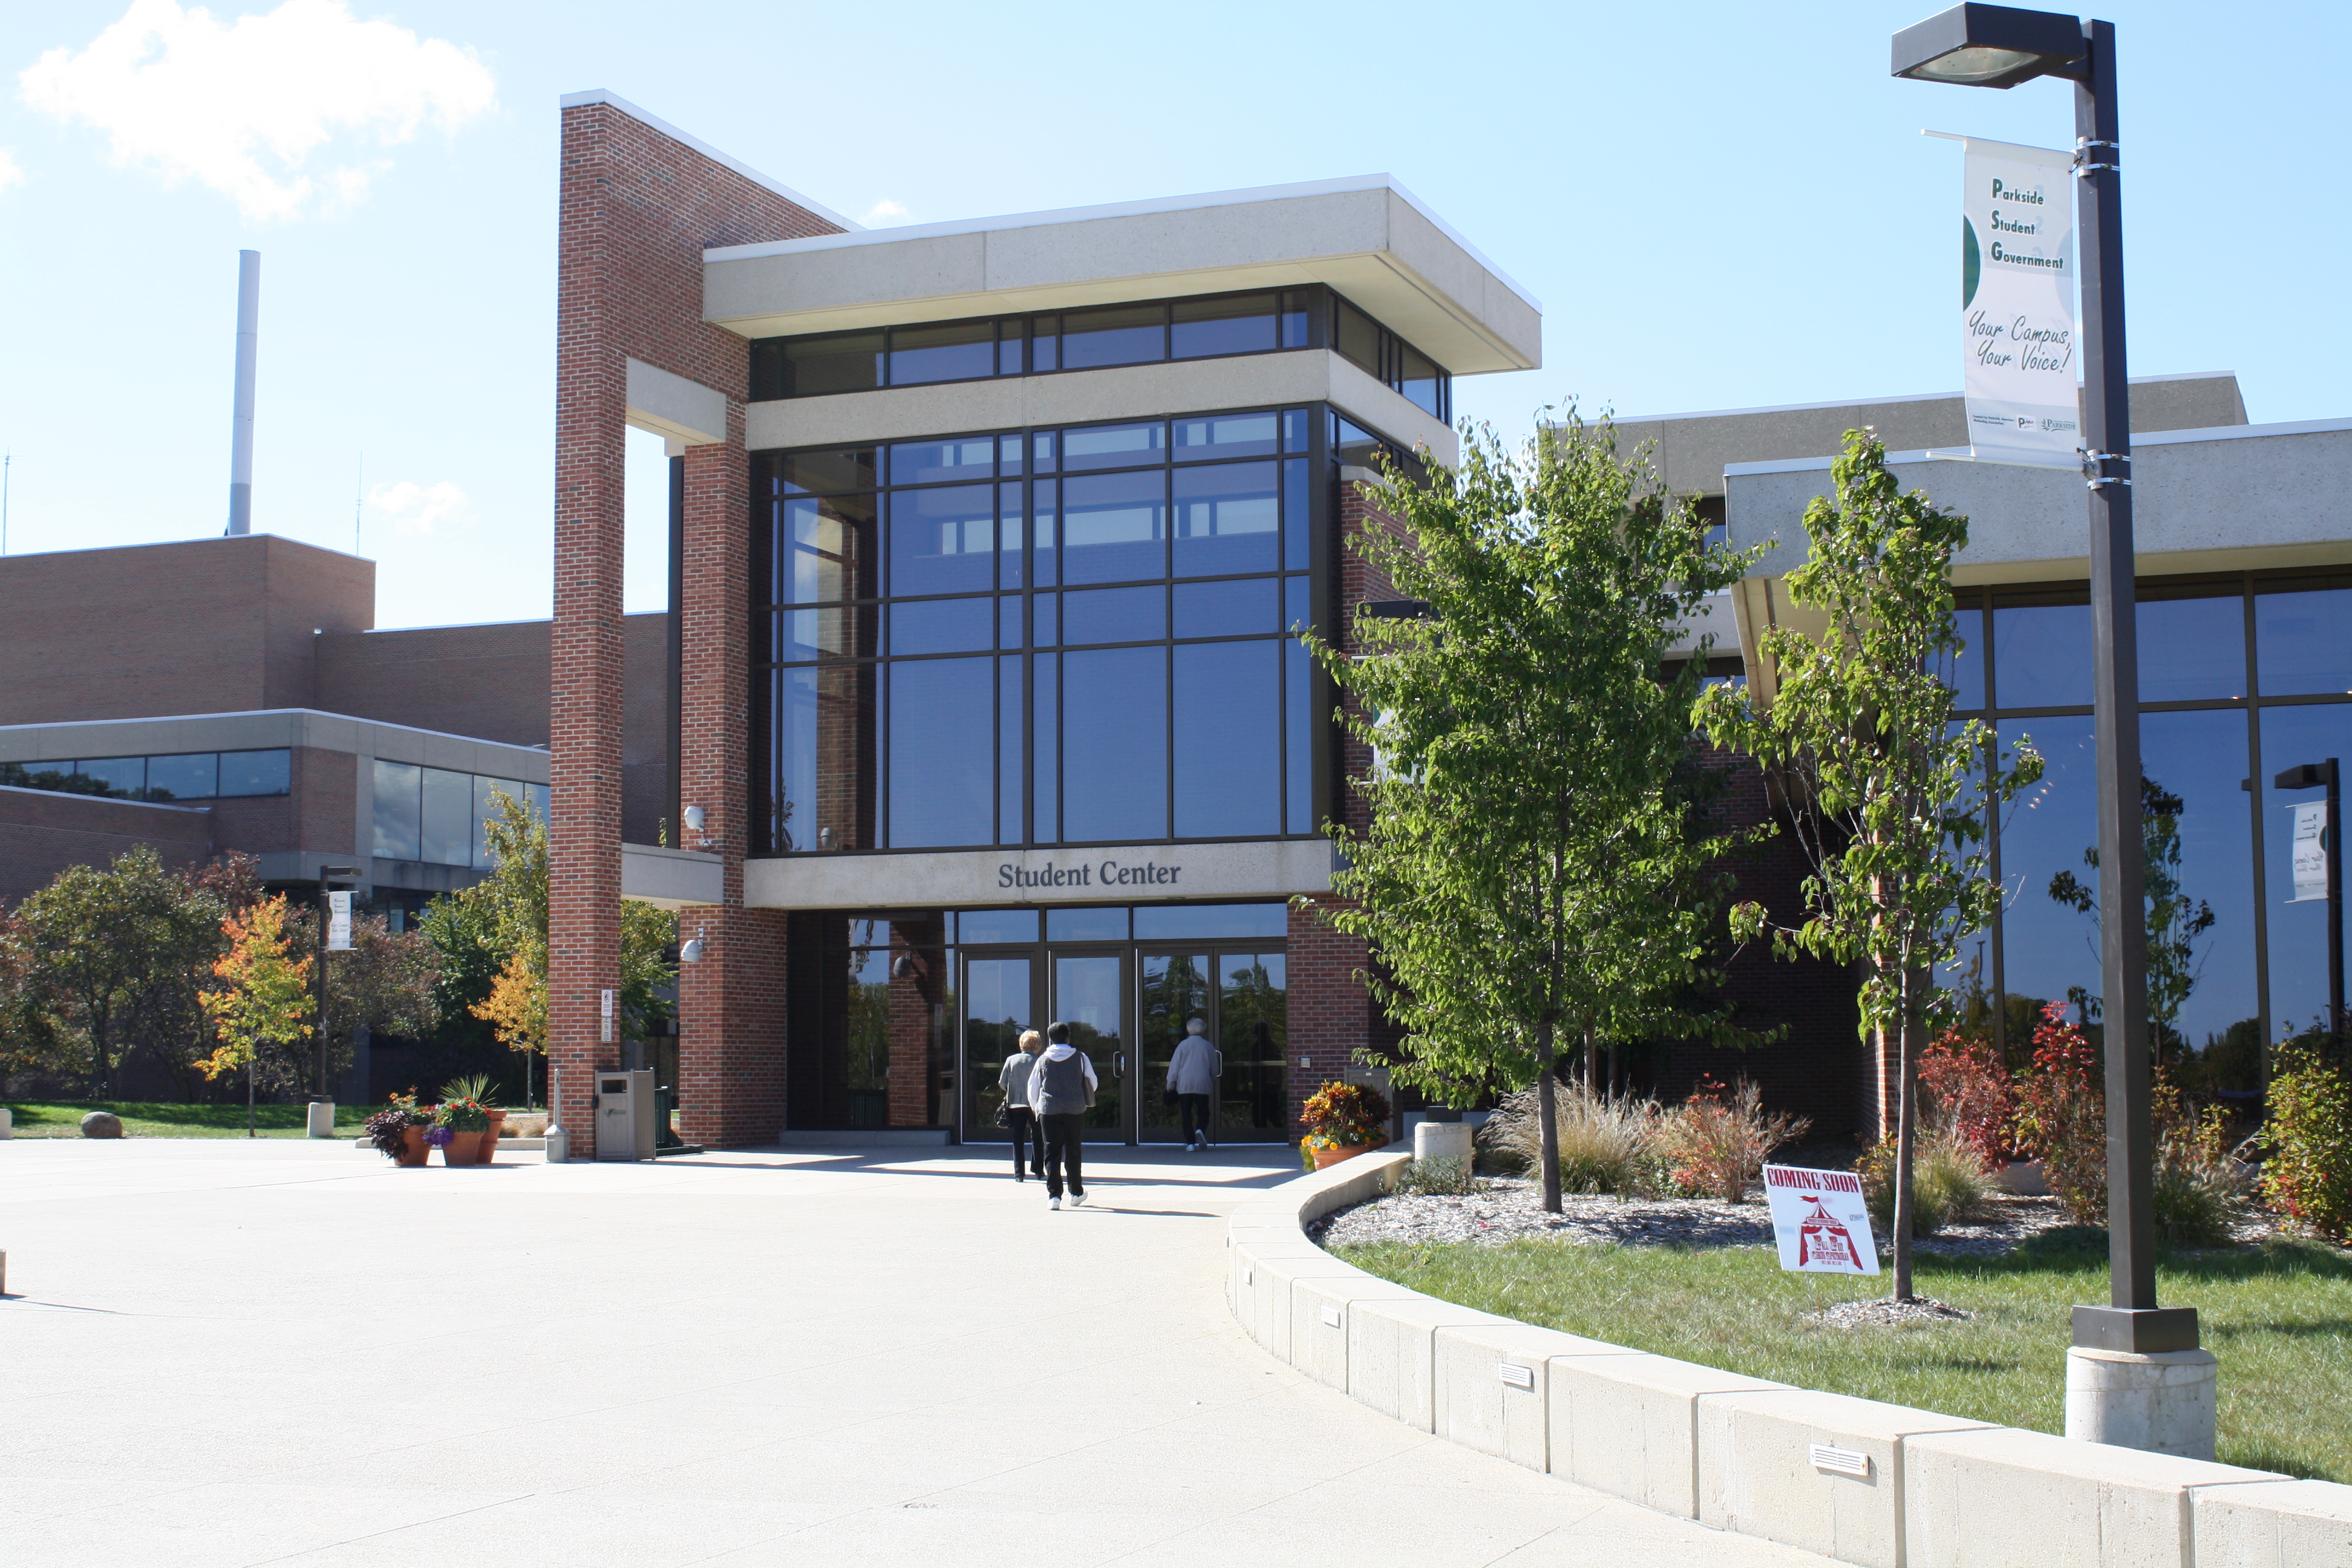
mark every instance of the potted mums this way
{"type": "Point", "coordinates": [397, 1133]}
{"type": "Point", "coordinates": [1342, 1120]}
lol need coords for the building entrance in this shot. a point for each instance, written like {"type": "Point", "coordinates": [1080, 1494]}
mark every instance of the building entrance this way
{"type": "Point", "coordinates": [1127, 1006]}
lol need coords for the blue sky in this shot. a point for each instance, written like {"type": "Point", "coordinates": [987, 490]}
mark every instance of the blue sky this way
{"type": "Point", "coordinates": [1719, 205]}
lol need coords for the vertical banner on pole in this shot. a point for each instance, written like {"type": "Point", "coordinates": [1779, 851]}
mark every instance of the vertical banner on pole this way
{"type": "Point", "coordinates": [2310, 851]}
{"type": "Point", "coordinates": [2018, 323]}
{"type": "Point", "coordinates": [604, 1032]}
{"type": "Point", "coordinates": [339, 922]}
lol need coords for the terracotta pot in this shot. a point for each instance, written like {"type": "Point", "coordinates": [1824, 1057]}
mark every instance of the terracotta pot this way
{"type": "Point", "coordinates": [491, 1139]}
{"type": "Point", "coordinates": [414, 1150]}
{"type": "Point", "coordinates": [1325, 1158]}
{"type": "Point", "coordinates": [462, 1149]}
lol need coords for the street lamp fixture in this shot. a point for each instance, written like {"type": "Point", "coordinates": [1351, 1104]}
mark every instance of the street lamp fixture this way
{"type": "Point", "coordinates": [2107, 1400]}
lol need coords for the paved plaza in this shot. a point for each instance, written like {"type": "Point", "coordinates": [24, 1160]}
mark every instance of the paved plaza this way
{"type": "Point", "coordinates": [222, 1353]}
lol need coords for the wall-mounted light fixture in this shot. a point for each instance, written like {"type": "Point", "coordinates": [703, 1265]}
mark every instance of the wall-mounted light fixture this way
{"type": "Point", "coordinates": [690, 950]}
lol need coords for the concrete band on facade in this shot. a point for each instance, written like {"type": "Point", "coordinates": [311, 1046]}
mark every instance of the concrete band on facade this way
{"type": "Point", "coordinates": [1737, 1453]}
{"type": "Point", "coordinates": [918, 880]}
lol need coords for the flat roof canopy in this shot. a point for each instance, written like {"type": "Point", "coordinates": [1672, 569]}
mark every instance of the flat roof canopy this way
{"type": "Point", "coordinates": [1368, 237]}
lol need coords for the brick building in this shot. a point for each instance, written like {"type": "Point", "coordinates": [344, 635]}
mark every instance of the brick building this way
{"type": "Point", "coordinates": [990, 535]}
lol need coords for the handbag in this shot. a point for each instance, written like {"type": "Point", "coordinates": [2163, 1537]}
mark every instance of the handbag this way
{"type": "Point", "coordinates": [1004, 1113]}
{"type": "Point", "coordinates": [1170, 1099]}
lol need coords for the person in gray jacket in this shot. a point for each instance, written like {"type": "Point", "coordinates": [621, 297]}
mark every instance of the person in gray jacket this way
{"type": "Point", "coordinates": [1012, 1078]}
{"type": "Point", "coordinates": [1192, 1074]}
{"type": "Point", "coordinates": [1061, 1091]}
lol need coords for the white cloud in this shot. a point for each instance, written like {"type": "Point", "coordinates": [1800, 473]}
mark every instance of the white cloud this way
{"type": "Point", "coordinates": [242, 107]}
{"type": "Point", "coordinates": [883, 212]}
{"type": "Point", "coordinates": [10, 173]}
{"type": "Point", "coordinates": [412, 508]}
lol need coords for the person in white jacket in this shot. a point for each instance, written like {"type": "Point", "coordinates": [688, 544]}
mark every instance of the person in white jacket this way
{"type": "Point", "coordinates": [1192, 1074]}
{"type": "Point", "coordinates": [1061, 1091]}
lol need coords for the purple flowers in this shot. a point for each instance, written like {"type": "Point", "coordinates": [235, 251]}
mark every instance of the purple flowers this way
{"type": "Point", "coordinates": [438, 1137]}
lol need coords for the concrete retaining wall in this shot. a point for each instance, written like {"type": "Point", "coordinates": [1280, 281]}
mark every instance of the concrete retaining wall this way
{"type": "Point", "coordinates": [1850, 1478]}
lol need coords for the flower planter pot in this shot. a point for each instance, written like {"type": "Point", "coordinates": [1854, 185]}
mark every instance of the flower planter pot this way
{"type": "Point", "coordinates": [1325, 1158]}
{"type": "Point", "coordinates": [491, 1139]}
{"type": "Point", "coordinates": [462, 1149]}
{"type": "Point", "coordinates": [414, 1150]}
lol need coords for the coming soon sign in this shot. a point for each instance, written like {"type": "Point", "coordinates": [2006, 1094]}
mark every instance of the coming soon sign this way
{"type": "Point", "coordinates": [1820, 1221]}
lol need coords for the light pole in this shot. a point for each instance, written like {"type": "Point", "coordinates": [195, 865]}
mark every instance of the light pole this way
{"type": "Point", "coordinates": [2136, 1376]}
{"type": "Point", "coordinates": [2314, 775]}
{"type": "Point", "coordinates": [328, 876]}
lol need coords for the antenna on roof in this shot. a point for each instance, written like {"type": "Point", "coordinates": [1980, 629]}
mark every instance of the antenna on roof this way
{"type": "Point", "coordinates": [240, 448]}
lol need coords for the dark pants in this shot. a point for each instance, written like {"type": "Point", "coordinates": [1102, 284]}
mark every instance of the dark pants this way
{"type": "Point", "coordinates": [1065, 1137]}
{"type": "Point", "coordinates": [1196, 1115]}
{"type": "Point", "coordinates": [1028, 1137]}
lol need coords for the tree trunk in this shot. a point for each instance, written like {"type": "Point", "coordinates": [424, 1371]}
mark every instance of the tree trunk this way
{"type": "Point", "coordinates": [1548, 1118]}
{"type": "Point", "coordinates": [1906, 1134]}
{"type": "Point", "coordinates": [1616, 1073]}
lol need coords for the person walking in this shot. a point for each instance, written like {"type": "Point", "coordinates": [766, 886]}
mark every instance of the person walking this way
{"type": "Point", "coordinates": [1012, 1078]}
{"type": "Point", "coordinates": [1192, 1074]}
{"type": "Point", "coordinates": [1061, 1091]}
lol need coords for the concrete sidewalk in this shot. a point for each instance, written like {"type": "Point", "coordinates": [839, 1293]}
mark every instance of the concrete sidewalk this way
{"type": "Point", "coordinates": [223, 1353]}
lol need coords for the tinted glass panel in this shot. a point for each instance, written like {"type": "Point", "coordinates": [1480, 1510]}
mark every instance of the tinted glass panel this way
{"type": "Point", "coordinates": [2202, 854]}
{"type": "Point", "coordinates": [2047, 946]}
{"type": "Point", "coordinates": [1012, 746]}
{"type": "Point", "coordinates": [821, 798]}
{"type": "Point", "coordinates": [1297, 329]}
{"type": "Point", "coordinates": [846, 361]}
{"type": "Point", "coordinates": [257, 772]}
{"type": "Point", "coordinates": [449, 819]}
{"type": "Point", "coordinates": [943, 541]}
{"type": "Point", "coordinates": [194, 776]}
{"type": "Point", "coordinates": [1114, 446]}
{"type": "Point", "coordinates": [1358, 338]}
{"type": "Point", "coordinates": [963, 350]}
{"type": "Point", "coordinates": [1008, 622]}
{"type": "Point", "coordinates": [824, 549]}
{"type": "Point", "coordinates": [1115, 614]}
{"type": "Point", "coordinates": [1115, 767]}
{"type": "Point", "coordinates": [1227, 435]}
{"type": "Point", "coordinates": [1044, 527]}
{"type": "Point", "coordinates": [1296, 516]}
{"type": "Point", "coordinates": [1123, 334]}
{"type": "Point", "coordinates": [1420, 384]}
{"type": "Point", "coordinates": [942, 626]}
{"type": "Point", "coordinates": [1237, 324]}
{"type": "Point", "coordinates": [1293, 429]}
{"type": "Point", "coordinates": [1297, 740]}
{"type": "Point", "coordinates": [2297, 931]}
{"type": "Point", "coordinates": [1046, 610]}
{"type": "Point", "coordinates": [487, 804]}
{"type": "Point", "coordinates": [1114, 527]}
{"type": "Point", "coordinates": [397, 804]}
{"type": "Point", "coordinates": [1173, 922]}
{"type": "Point", "coordinates": [1228, 520]}
{"type": "Point", "coordinates": [980, 926]}
{"type": "Point", "coordinates": [842, 631]}
{"type": "Point", "coordinates": [942, 752]}
{"type": "Point", "coordinates": [119, 776]}
{"type": "Point", "coordinates": [1045, 344]}
{"type": "Point", "coordinates": [932, 462]}
{"type": "Point", "coordinates": [2303, 646]}
{"type": "Point", "coordinates": [1246, 609]}
{"type": "Point", "coordinates": [1296, 615]}
{"type": "Point", "coordinates": [1228, 747]}
{"type": "Point", "coordinates": [826, 473]}
{"type": "Point", "coordinates": [1964, 672]}
{"type": "Point", "coordinates": [1046, 765]}
{"type": "Point", "coordinates": [2041, 655]}
{"type": "Point", "coordinates": [2192, 648]}
{"type": "Point", "coordinates": [1086, 925]}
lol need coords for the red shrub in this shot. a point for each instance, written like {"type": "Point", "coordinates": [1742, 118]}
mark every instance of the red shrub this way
{"type": "Point", "coordinates": [1969, 1093]}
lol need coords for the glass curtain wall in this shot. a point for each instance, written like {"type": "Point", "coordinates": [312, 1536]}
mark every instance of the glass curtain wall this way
{"type": "Point", "coordinates": [2240, 679]}
{"type": "Point", "coordinates": [1076, 635]}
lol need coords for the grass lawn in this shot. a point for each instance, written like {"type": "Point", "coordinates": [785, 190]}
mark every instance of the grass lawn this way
{"type": "Point", "coordinates": [2278, 1317]}
{"type": "Point", "coordinates": [161, 1118]}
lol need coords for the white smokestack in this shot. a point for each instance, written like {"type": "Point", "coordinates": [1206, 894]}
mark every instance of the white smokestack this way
{"type": "Point", "coordinates": [241, 451]}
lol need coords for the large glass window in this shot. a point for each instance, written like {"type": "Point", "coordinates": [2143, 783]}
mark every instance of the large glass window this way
{"type": "Point", "coordinates": [435, 816]}
{"type": "Point", "coordinates": [1082, 635]}
{"type": "Point", "coordinates": [1146, 333]}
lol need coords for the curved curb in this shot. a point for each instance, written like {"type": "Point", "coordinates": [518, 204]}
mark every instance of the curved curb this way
{"type": "Point", "coordinates": [1854, 1480]}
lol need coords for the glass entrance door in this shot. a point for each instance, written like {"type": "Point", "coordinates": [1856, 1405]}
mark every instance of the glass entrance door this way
{"type": "Point", "coordinates": [1252, 1026]}
{"type": "Point", "coordinates": [1090, 997]}
{"type": "Point", "coordinates": [997, 1006]}
{"type": "Point", "coordinates": [1176, 987]}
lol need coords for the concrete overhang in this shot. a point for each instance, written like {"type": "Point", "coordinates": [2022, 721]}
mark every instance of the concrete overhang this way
{"type": "Point", "coordinates": [671, 878]}
{"type": "Point", "coordinates": [1368, 237]}
{"type": "Point", "coordinates": [681, 412]}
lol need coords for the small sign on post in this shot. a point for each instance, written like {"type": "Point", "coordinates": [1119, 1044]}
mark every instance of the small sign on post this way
{"type": "Point", "coordinates": [1820, 1221]}
{"type": "Point", "coordinates": [339, 921]}
{"type": "Point", "coordinates": [2310, 851]}
{"type": "Point", "coordinates": [604, 1029]}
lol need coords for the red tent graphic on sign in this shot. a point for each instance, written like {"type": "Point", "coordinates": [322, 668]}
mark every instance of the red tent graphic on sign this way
{"type": "Point", "coordinates": [1822, 1235]}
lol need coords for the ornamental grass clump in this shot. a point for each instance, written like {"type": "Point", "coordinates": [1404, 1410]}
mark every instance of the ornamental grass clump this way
{"type": "Point", "coordinates": [1949, 1177]}
{"type": "Point", "coordinates": [1440, 1178]}
{"type": "Point", "coordinates": [1714, 1145]}
{"type": "Point", "coordinates": [1606, 1144]}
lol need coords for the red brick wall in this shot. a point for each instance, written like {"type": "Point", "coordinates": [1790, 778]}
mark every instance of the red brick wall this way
{"type": "Point", "coordinates": [636, 211]}
{"type": "Point", "coordinates": [42, 832]}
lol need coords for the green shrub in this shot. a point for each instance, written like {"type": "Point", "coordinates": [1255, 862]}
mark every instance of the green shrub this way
{"type": "Point", "coordinates": [2307, 1143]}
{"type": "Point", "coordinates": [1950, 1182]}
{"type": "Point", "coordinates": [1605, 1146]}
{"type": "Point", "coordinates": [1436, 1178]}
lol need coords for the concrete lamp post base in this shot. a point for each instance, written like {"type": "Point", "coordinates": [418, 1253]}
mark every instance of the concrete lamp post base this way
{"type": "Point", "coordinates": [320, 1121]}
{"type": "Point", "coordinates": [1442, 1141]}
{"type": "Point", "coordinates": [2163, 1403]}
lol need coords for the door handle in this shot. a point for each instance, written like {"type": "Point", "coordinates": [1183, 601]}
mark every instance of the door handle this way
{"type": "Point", "coordinates": [1118, 1064]}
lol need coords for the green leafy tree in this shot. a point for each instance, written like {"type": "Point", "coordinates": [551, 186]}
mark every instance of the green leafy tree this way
{"type": "Point", "coordinates": [383, 985]}
{"type": "Point", "coordinates": [1885, 794]}
{"type": "Point", "coordinates": [1529, 879]}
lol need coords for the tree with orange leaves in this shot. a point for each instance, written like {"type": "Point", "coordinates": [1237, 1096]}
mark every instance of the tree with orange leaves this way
{"type": "Point", "coordinates": [265, 996]}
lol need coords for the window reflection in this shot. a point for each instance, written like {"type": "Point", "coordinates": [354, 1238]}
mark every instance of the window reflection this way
{"type": "Point", "coordinates": [1115, 744]}
{"type": "Point", "coordinates": [2041, 654]}
{"type": "Point", "coordinates": [2191, 648]}
{"type": "Point", "coordinates": [2302, 641]}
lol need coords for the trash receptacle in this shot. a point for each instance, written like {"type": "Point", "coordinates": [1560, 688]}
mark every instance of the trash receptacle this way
{"type": "Point", "coordinates": [624, 1115]}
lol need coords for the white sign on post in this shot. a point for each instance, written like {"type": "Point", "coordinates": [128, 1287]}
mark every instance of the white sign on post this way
{"type": "Point", "coordinates": [2019, 326]}
{"type": "Point", "coordinates": [2310, 851]}
{"type": "Point", "coordinates": [1820, 1221]}
{"type": "Point", "coordinates": [606, 1031]}
{"type": "Point", "coordinates": [339, 922]}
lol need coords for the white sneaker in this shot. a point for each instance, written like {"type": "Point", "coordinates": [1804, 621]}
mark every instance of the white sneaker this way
{"type": "Point", "coordinates": [1053, 1202]}
{"type": "Point", "coordinates": [1078, 1200]}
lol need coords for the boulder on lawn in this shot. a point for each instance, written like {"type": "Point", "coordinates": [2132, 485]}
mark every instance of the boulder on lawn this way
{"type": "Point", "coordinates": [102, 1124]}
